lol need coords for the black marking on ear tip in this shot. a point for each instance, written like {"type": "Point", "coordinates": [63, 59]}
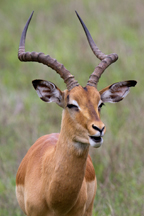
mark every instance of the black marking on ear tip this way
{"type": "Point", "coordinates": [128, 83]}
{"type": "Point", "coordinates": [35, 83]}
{"type": "Point", "coordinates": [133, 82]}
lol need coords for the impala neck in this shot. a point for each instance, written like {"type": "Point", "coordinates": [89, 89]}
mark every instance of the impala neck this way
{"type": "Point", "coordinates": [72, 137]}
{"type": "Point", "coordinates": [70, 164]}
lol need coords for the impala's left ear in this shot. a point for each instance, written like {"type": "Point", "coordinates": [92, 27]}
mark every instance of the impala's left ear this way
{"type": "Point", "coordinates": [48, 92]}
{"type": "Point", "coordinates": [117, 91]}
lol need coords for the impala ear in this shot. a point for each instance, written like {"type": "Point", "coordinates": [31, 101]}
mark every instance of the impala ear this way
{"type": "Point", "coordinates": [48, 92]}
{"type": "Point", "coordinates": [117, 91]}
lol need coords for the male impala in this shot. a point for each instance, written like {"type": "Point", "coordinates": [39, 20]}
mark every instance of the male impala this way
{"type": "Point", "coordinates": [57, 177]}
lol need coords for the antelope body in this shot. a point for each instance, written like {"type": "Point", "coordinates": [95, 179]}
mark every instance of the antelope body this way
{"type": "Point", "coordinates": [57, 177]}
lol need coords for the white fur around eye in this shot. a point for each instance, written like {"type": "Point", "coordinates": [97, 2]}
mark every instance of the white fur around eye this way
{"type": "Point", "coordinates": [100, 103]}
{"type": "Point", "coordinates": [76, 104]}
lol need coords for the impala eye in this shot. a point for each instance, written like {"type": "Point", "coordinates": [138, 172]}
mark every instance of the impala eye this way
{"type": "Point", "coordinates": [100, 106]}
{"type": "Point", "coordinates": [71, 106]}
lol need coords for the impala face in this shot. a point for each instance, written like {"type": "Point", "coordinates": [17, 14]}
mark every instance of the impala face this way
{"type": "Point", "coordinates": [82, 106]}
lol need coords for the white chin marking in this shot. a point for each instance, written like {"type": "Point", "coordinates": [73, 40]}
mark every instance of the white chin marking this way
{"type": "Point", "coordinates": [95, 144]}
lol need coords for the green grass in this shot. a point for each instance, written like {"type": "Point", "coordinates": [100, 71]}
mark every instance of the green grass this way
{"type": "Point", "coordinates": [116, 26]}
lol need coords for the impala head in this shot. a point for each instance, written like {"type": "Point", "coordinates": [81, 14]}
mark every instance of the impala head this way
{"type": "Point", "coordinates": [81, 105]}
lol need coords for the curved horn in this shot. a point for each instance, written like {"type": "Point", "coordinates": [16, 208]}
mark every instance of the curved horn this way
{"type": "Point", "coordinates": [45, 59]}
{"type": "Point", "coordinates": [106, 60]}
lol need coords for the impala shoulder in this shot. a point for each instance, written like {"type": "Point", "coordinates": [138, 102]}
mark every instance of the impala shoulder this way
{"type": "Point", "coordinates": [35, 155]}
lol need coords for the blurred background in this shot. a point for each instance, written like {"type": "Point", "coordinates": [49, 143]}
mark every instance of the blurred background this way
{"type": "Point", "coordinates": [116, 26]}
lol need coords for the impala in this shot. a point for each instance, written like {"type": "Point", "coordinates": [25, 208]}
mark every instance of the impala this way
{"type": "Point", "coordinates": [57, 177]}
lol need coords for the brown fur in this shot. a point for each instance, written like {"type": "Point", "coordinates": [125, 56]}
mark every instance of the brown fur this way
{"type": "Point", "coordinates": [90, 172]}
{"type": "Point", "coordinates": [38, 149]}
{"type": "Point", "coordinates": [37, 154]}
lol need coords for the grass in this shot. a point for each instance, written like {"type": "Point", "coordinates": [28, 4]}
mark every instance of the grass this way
{"type": "Point", "coordinates": [116, 26]}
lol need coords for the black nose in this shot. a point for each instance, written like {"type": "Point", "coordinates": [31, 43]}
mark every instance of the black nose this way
{"type": "Point", "coordinates": [98, 129]}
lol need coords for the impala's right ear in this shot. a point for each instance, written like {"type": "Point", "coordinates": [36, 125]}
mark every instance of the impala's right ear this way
{"type": "Point", "coordinates": [48, 92]}
{"type": "Point", "coordinates": [117, 91]}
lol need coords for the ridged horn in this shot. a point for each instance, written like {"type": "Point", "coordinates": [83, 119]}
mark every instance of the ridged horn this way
{"type": "Point", "coordinates": [45, 59]}
{"type": "Point", "coordinates": [106, 60]}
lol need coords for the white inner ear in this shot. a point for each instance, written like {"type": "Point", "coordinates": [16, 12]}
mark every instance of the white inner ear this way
{"type": "Point", "coordinates": [56, 93]}
{"type": "Point", "coordinates": [126, 92]}
{"type": "Point", "coordinates": [106, 96]}
{"type": "Point", "coordinates": [49, 93]}
{"type": "Point", "coordinates": [38, 92]}
{"type": "Point", "coordinates": [115, 96]}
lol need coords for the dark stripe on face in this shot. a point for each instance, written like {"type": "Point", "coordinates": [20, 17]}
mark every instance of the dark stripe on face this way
{"type": "Point", "coordinates": [85, 88]}
{"type": "Point", "coordinates": [93, 111]}
{"type": "Point", "coordinates": [67, 98]}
